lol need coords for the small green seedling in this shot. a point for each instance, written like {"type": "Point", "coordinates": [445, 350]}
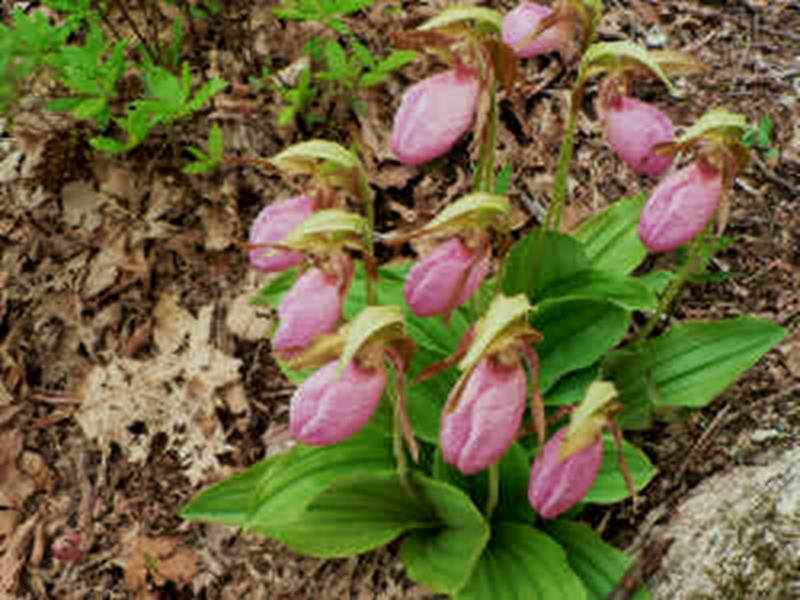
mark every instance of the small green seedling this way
{"type": "Point", "coordinates": [326, 12]}
{"type": "Point", "coordinates": [91, 73]}
{"type": "Point", "coordinates": [168, 99]}
{"type": "Point", "coordinates": [760, 137]}
{"type": "Point", "coordinates": [205, 162]}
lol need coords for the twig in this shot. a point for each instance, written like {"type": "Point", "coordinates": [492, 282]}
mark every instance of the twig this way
{"type": "Point", "coordinates": [135, 28]}
{"type": "Point", "coordinates": [644, 567]}
{"type": "Point", "coordinates": [706, 435]}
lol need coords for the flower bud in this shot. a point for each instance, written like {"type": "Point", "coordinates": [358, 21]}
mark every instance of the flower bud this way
{"type": "Point", "coordinates": [433, 114]}
{"type": "Point", "coordinates": [328, 408]}
{"type": "Point", "coordinates": [488, 411]}
{"type": "Point", "coordinates": [272, 225]}
{"type": "Point", "coordinates": [521, 22]}
{"type": "Point", "coordinates": [557, 484]}
{"type": "Point", "coordinates": [312, 306]}
{"type": "Point", "coordinates": [680, 207]}
{"type": "Point", "coordinates": [446, 278]}
{"type": "Point", "coordinates": [633, 129]}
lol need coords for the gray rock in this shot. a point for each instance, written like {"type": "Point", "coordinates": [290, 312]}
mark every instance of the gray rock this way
{"type": "Point", "coordinates": [737, 537]}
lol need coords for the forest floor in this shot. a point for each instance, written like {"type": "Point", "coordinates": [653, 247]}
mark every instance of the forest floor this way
{"type": "Point", "coordinates": [134, 372]}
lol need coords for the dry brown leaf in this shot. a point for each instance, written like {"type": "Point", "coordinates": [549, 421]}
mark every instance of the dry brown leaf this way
{"type": "Point", "coordinates": [81, 205]}
{"type": "Point", "coordinates": [222, 227]}
{"type": "Point", "coordinates": [12, 557]}
{"type": "Point", "coordinates": [246, 321]}
{"type": "Point", "coordinates": [791, 351]}
{"type": "Point", "coordinates": [161, 558]}
{"type": "Point", "coordinates": [104, 269]}
{"type": "Point", "coordinates": [15, 486]}
{"type": "Point", "coordinates": [174, 393]}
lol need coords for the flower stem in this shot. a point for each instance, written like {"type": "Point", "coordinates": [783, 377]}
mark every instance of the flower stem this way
{"type": "Point", "coordinates": [370, 265]}
{"type": "Point", "coordinates": [694, 261]}
{"type": "Point", "coordinates": [397, 443]}
{"type": "Point", "coordinates": [484, 170]}
{"type": "Point", "coordinates": [552, 220]}
{"type": "Point", "coordinates": [494, 490]}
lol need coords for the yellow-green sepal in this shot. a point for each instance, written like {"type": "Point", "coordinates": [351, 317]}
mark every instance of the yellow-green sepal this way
{"type": "Point", "coordinates": [506, 316]}
{"type": "Point", "coordinates": [716, 122]}
{"type": "Point", "coordinates": [459, 14]}
{"type": "Point", "coordinates": [610, 56]}
{"type": "Point", "coordinates": [326, 229]}
{"type": "Point", "coordinates": [589, 418]}
{"type": "Point", "coordinates": [329, 161]}
{"type": "Point", "coordinates": [383, 324]}
{"type": "Point", "coordinates": [480, 209]}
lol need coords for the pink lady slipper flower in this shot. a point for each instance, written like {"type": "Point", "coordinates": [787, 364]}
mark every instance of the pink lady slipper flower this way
{"type": "Point", "coordinates": [680, 207]}
{"type": "Point", "coordinates": [634, 129]}
{"type": "Point", "coordinates": [328, 408]}
{"type": "Point", "coordinates": [434, 114]}
{"type": "Point", "coordinates": [557, 484]}
{"type": "Point", "coordinates": [522, 22]}
{"type": "Point", "coordinates": [273, 225]}
{"type": "Point", "coordinates": [447, 277]}
{"type": "Point", "coordinates": [312, 307]}
{"type": "Point", "coordinates": [487, 416]}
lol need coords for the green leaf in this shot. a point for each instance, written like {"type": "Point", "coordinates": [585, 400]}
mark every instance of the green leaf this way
{"type": "Point", "coordinates": [215, 143]}
{"type": "Point", "coordinates": [372, 78]}
{"type": "Point", "coordinates": [689, 365]}
{"type": "Point", "coordinates": [197, 168]}
{"type": "Point", "coordinates": [657, 281]}
{"type": "Point", "coordinates": [304, 472]}
{"type": "Point", "coordinates": [443, 557]}
{"type": "Point", "coordinates": [106, 144]}
{"type": "Point", "coordinates": [354, 514]}
{"type": "Point", "coordinates": [515, 471]}
{"type": "Point", "coordinates": [522, 563]}
{"type": "Point", "coordinates": [230, 501]}
{"type": "Point", "coordinates": [362, 53]}
{"type": "Point", "coordinates": [610, 238]}
{"type": "Point", "coordinates": [272, 291]}
{"type": "Point", "coordinates": [210, 89]}
{"type": "Point", "coordinates": [64, 104]}
{"type": "Point", "coordinates": [538, 260]}
{"type": "Point", "coordinates": [336, 58]}
{"type": "Point", "coordinates": [609, 487]}
{"type": "Point", "coordinates": [457, 14]}
{"type": "Point", "coordinates": [572, 389]}
{"type": "Point", "coordinates": [396, 60]}
{"type": "Point", "coordinates": [600, 566]}
{"type": "Point", "coordinates": [576, 334]}
{"type": "Point", "coordinates": [621, 290]}
{"type": "Point", "coordinates": [89, 108]}
{"type": "Point", "coordinates": [503, 182]}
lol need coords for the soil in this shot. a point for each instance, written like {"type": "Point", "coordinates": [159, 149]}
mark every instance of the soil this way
{"type": "Point", "coordinates": [133, 373]}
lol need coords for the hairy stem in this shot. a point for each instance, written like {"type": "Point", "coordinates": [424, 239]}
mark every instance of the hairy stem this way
{"type": "Point", "coordinates": [552, 220]}
{"type": "Point", "coordinates": [370, 266]}
{"type": "Point", "coordinates": [694, 262]}
{"type": "Point", "coordinates": [397, 443]}
{"type": "Point", "coordinates": [494, 490]}
{"type": "Point", "coordinates": [484, 170]}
